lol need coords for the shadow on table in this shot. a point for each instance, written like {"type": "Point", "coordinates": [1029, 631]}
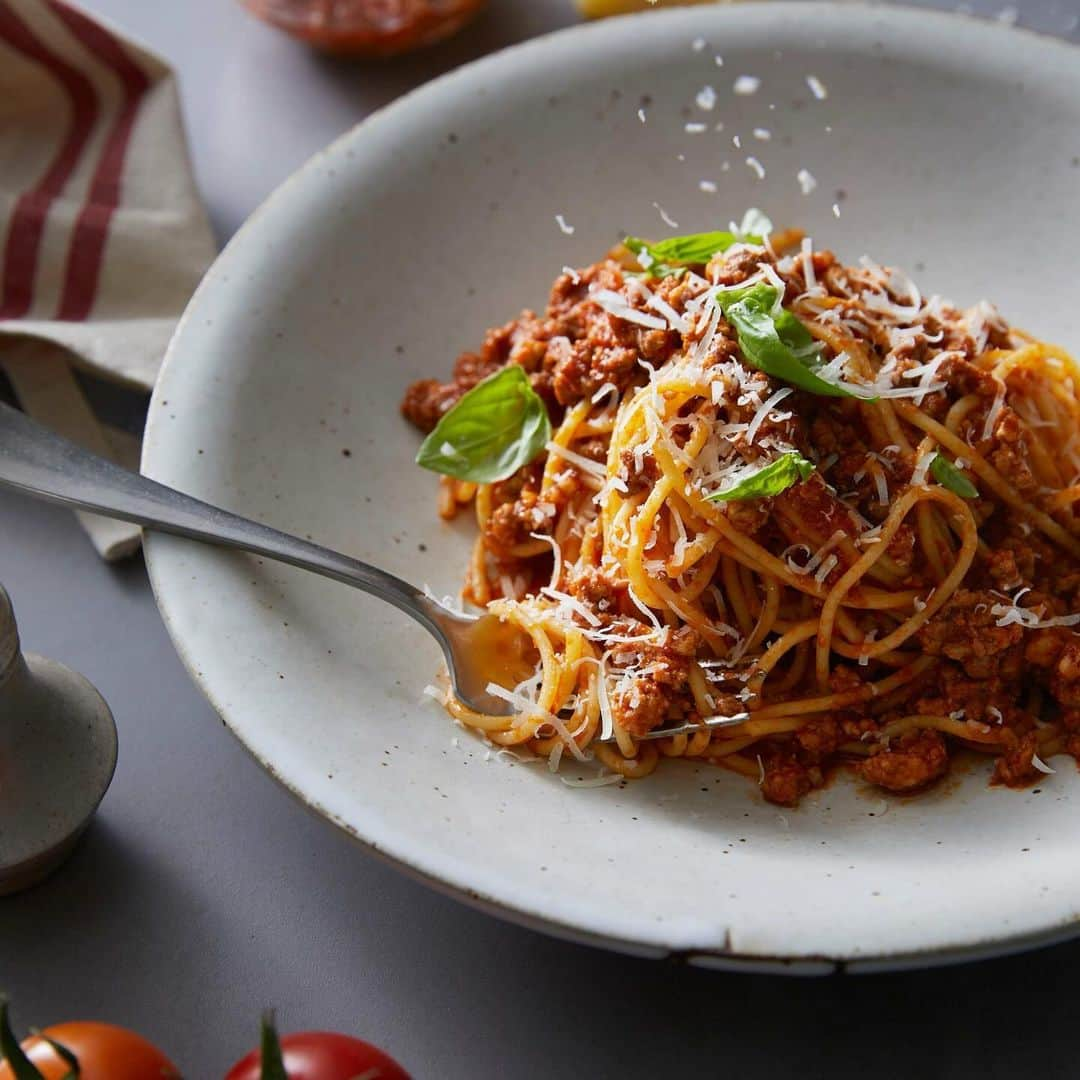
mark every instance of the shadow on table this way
{"type": "Point", "coordinates": [974, 1019]}
{"type": "Point", "coordinates": [109, 891]}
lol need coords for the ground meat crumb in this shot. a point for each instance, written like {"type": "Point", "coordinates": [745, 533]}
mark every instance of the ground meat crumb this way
{"type": "Point", "coordinates": [786, 780]}
{"type": "Point", "coordinates": [1016, 768]}
{"type": "Point", "coordinates": [513, 523]}
{"type": "Point", "coordinates": [1065, 682]}
{"type": "Point", "coordinates": [914, 760]}
{"type": "Point", "coordinates": [638, 478]}
{"type": "Point", "coordinates": [966, 630]}
{"type": "Point", "coordinates": [656, 687]}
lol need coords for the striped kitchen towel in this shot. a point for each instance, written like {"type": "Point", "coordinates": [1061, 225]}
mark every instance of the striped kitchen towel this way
{"type": "Point", "coordinates": [103, 236]}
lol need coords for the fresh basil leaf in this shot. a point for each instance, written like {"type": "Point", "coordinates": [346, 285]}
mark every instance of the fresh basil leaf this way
{"type": "Point", "coordinates": [949, 476]}
{"type": "Point", "coordinates": [497, 426]}
{"type": "Point", "coordinates": [673, 255]}
{"type": "Point", "coordinates": [775, 341]}
{"type": "Point", "coordinates": [696, 249]}
{"type": "Point", "coordinates": [777, 476]}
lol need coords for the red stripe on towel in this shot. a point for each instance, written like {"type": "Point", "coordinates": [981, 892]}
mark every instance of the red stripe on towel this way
{"type": "Point", "coordinates": [27, 223]}
{"type": "Point", "coordinates": [85, 256]}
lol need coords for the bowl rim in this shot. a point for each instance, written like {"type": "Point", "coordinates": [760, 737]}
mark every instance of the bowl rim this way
{"type": "Point", "coordinates": [908, 16]}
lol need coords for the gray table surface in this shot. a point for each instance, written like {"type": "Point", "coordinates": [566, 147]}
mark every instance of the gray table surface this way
{"type": "Point", "coordinates": [204, 893]}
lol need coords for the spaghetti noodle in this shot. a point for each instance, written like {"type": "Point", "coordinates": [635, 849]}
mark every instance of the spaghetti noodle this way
{"type": "Point", "coordinates": [871, 563]}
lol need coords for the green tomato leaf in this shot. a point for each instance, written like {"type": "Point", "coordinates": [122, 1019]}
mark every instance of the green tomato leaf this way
{"type": "Point", "coordinates": [777, 476]}
{"type": "Point", "coordinates": [11, 1053]}
{"type": "Point", "coordinates": [949, 476]}
{"type": "Point", "coordinates": [498, 426]}
{"type": "Point", "coordinates": [775, 341]}
{"type": "Point", "coordinates": [272, 1064]}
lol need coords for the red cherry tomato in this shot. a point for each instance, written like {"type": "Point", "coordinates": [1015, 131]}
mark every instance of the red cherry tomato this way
{"type": "Point", "coordinates": [323, 1055]}
{"type": "Point", "coordinates": [105, 1052]}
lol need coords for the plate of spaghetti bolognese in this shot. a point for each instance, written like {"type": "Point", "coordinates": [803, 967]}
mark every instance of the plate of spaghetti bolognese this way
{"type": "Point", "coordinates": [730, 363]}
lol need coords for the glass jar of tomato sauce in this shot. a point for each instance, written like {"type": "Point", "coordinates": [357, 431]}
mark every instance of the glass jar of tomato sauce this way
{"type": "Point", "coordinates": [368, 27]}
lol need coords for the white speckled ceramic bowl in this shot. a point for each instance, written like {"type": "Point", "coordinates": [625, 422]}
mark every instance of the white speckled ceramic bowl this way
{"type": "Point", "coordinates": [950, 147]}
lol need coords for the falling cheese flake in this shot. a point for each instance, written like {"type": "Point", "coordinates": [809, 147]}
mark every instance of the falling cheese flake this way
{"type": "Point", "coordinates": [641, 115]}
{"type": "Point", "coordinates": [817, 87]}
{"type": "Point", "coordinates": [719, 61]}
{"type": "Point", "coordinates": [836, 209]}
{"type": "Point", "coordinates": [757, 167]}
{"type": "Point", "coordinates": [568, 230]}
{"type": "Point", "coordinates": [698, 44]}
{"type": "Point", "coordinates": [706, 98]}
{"type": "Point", "coordinates": [762, 134]}
{"type": "Point", "coordinates": [746, 85]}
{"type": "Point", "coordinates": [807, 183]}
{"type": "Point", "coordinates": [665, 216]}
{"type": "Point", "coordinates": [708, 186]}
{"type": "Point", "coordinates": [694, 128]}
{"type": "Point", "coordinates": [736, 142]}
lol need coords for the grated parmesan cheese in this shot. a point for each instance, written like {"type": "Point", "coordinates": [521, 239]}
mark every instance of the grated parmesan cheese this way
{"type": "Point", "coordinates": [825, 569]}
{"type": "Point", "coordinates": [616, 304]}
{"type": "Point", "coordinates": [441, 696]}
{"type": "Point", "coordinates": [532, 710]}
{"type": "Point", "coordinates": [807, 182]}
{"type": "Point", "coordinates": [1007, 614]}
{"type": "Point", "coordinates": [763, 411]}
{"type": "Point", "coordinates": [556, 551]}
{"type": "Point", "coordinates": [587, 465]}
{"type": "Point", "coordinates": [636, 601]}
{"type": "Point", "coordinates": [995, 410]}
{"type": "Point", "coordinates": [600, 780]}
{"type": "Point", "coordinates": [667, 219]}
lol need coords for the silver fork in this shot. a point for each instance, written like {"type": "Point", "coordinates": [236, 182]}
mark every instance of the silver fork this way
{"type": "Point", "coordinates": [38, 462]}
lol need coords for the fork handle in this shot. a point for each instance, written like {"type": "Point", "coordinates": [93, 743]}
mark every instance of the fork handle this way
{"type": "Point", "coordinates": [38, 462]}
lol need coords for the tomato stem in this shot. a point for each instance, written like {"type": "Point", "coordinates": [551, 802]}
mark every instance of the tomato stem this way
{"type": "Point", "coordinates": [11, 1051]}
{"type": "Point", "coordinates": [273, 1065]}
